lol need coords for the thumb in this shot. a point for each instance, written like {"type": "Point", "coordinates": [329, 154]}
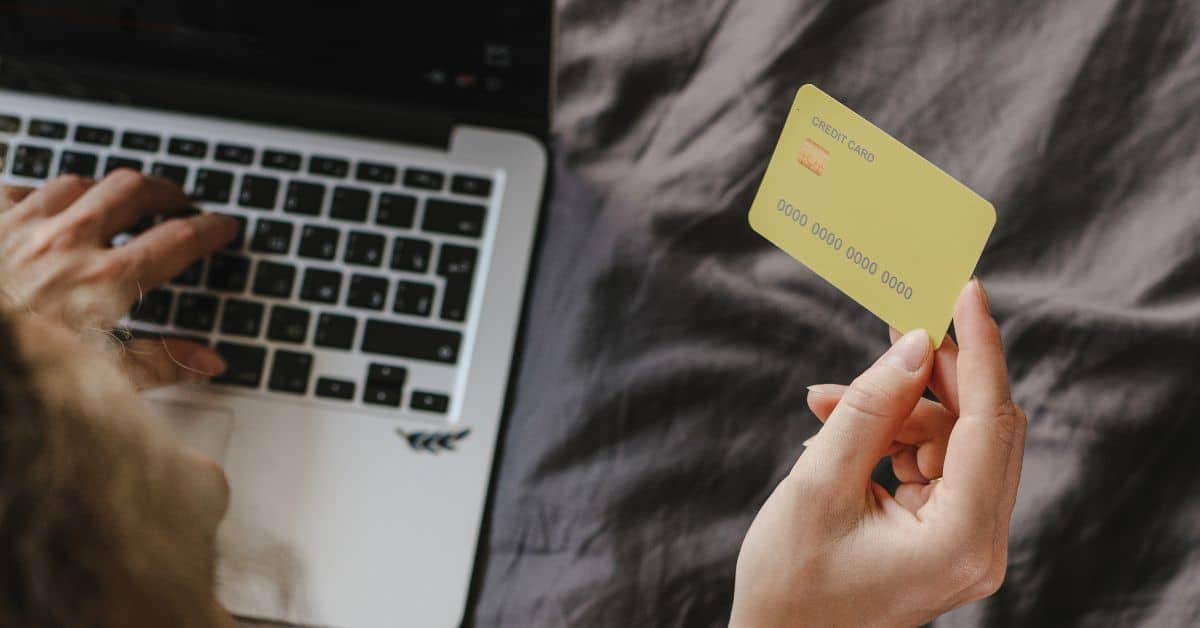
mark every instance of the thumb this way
{"type": "Point", "coordinates": [869, 414]}
{"type": "Point", "coordinates": [154, 363]}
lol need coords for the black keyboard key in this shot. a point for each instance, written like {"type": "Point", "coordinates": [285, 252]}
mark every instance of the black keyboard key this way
{"type": "Point", "coordinates": [10, 124]}
{"type": "Point", "coordinates": [239, 240]}
{"type": "Point", "coordinates": [228, 273]}
{"type": "Point", "coordinates": [191, 275]}
{"type": "Point", "coordinates": [290, 372]}
{"type": "Point", "coordinates": [424, 179]}
{"type": "Point", "coordinates": [335, 331]}
{"type": "Point", "coordinates": [245, 364]}
{"type": "Point", "coordinates": [274, 280]}
{"type": "Point", "coordinates": [155, 307]}
{"type": "Point", "coordinates": [258, 192]}
{"type": "Point", "coordinates": [385, 385]}
{"type": "Point", "coordinates": [288, 324]}
{"type": "Point", "coordinates": [328, 166]}
{"type": "Point", "coordinates": [409, 341]}
{"type": "Point", "coordinates": [365, 249]}
{"type": "Point", "coordinates": [171, 172]}
{"type": "Point", "coordinates": [331, 388]}
{"type": "Point", "coordinates": [411, 255]}
{"type": "Point", "coordinates": [213, 186]}
{"type": "Point", "coordinates": [471, 186]}
{"type": "Point", "coordinates": [242, 318]}
{"type": "Point", "coordinates": [234, 154]}
{"type": "Point", "coordinates": [456, 299]}
{"type": "Point", "coordinates": [350, 204]}
{"type": "Point", "coordinates": [280, 160]}
{"type": "Point", "coordinates": [93, 135]}
{"type": "Point", "coordinates": [413, 298]}
{"type": "Point", "coordinates": [140, 141]}
{"type": "Point", "coordinates": [457, 261]}
{"type": "Point", "coordinates": [322, 286]}
{"type": "Point", "coordinates": [272, 236]}
{"type": "Point", "coordinates": [378, 173]}
{"type": "Point", "coordinates": [197, 312]}
{"type": "Point", "coordinates": [386, 375]}
{"type": "Point", "coordinates": [32, 161]}
{"type": "Point", "coordinates": [116, 163]}
{"type": "Point", "coordinates": [74, 162]}
{"type": "Point", "coordinates": [304, 198]}
{"type": "Point", "coordinates": [396, 210]}
{"type": "Point", "coordinates": [457, 265]}
{"type": "Point", "coordinates": [429, 402]}
{"type": "Point", "coordinates": [47, 128]}
{"type": "Point", "coordinates": [382, 395]}
{"type": "Point", "coordinates": [318, 242]}
{"type": "Point", "coordinates": [442, 216]}
{"type": "Point", "coordinates": [367, 292]}
{"type": "Point", "coordinates": [187, 147]}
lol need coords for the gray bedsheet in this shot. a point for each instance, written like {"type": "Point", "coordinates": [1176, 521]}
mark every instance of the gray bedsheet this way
{"type": "Point", "coordinates": [667, 347]}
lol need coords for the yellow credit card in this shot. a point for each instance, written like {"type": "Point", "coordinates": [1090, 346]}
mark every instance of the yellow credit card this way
{"type": "Point", "coordinates": [871, 216]}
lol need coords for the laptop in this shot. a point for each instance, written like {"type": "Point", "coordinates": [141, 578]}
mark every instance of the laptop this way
{"type": "Point", "coordinates": [387, 162]}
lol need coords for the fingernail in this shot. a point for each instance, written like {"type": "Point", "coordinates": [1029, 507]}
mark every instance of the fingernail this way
{"type": "Point", "coordinates": [910, 351]}
{"type": "Point", "coordinates": [809, 441]}
{"type": "Point", "coordinates": [983, 295]}
{"type": "Point", "coordinates": [893, 334]}
{"type": "Point", "coordinates": [825, 389]}
{"type": "Point", "coordinates": [207, 363]}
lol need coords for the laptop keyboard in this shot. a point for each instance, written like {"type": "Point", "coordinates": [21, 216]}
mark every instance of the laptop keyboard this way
{"type": "Point", "coordinates": [337, 255]}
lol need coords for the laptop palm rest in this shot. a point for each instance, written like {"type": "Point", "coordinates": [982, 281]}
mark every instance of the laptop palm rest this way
{"type": "Point", "coordinates": [205, 429]}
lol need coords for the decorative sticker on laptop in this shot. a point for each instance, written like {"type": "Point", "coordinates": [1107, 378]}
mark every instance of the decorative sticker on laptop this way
{"type": "Point", "coordinates": [433, 442]}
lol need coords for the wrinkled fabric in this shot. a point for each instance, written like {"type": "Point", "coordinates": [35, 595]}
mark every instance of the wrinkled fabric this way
{"type": "Point", "coordinates": [660, 394]}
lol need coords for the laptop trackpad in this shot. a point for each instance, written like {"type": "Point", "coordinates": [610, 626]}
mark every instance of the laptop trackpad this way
{"type": "Point", "coordinates": [205, 429]}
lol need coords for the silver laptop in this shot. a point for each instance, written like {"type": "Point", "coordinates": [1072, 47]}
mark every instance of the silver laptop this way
{"type": "Point", "coordinates": [387, 165]}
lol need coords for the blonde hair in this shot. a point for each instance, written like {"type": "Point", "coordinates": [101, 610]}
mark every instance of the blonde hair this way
{"type": "Point", "coordinates": [94, 530]}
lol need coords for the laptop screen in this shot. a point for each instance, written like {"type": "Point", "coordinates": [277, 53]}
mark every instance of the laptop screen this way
{"type": "Point", "coordinates": [489, 58]}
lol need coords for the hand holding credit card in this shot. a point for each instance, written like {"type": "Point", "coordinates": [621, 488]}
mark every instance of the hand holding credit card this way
{"type": "Point", "coordinates": [869, 215]}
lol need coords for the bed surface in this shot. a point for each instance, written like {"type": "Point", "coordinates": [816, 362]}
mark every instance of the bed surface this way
{"type": "Point", "coordinates": [667, 347]}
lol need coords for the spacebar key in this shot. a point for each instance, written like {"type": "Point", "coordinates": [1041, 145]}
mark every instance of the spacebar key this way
{"type": "Point", "coordinates": [408, 341]}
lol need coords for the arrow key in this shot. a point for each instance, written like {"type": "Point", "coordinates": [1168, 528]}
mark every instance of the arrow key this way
{"type": "Point", "coordinates": [381, 395]}
{"type": "Point", "coordinates": [429, 402]}
{"type": "Point", "coordinates": [385, 385]}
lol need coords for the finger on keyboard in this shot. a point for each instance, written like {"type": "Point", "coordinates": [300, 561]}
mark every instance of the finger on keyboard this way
{"type": "Point", "coordinates": [122, 199]}
{"type": "Point", "coordinates": [169, 248]}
